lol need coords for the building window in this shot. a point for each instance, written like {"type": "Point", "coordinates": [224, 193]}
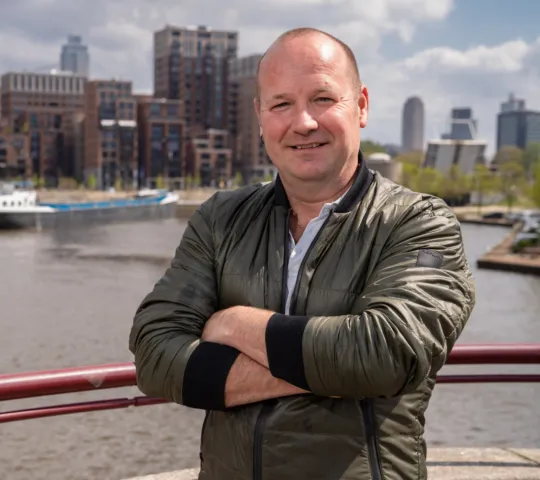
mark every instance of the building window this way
{"type": "Point", "coordinates": [155, 109]}
{"type": "Point", "coordinates": [156, 132]}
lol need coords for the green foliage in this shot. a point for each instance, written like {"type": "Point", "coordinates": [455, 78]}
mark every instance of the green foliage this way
{"type": "Point", "coordinates": [160, 183]}
{"type": "Point", "coordinates": [238, 180]}
{"type": "Point", "coordinates": [369, 147]}
{"type": "Point", "coordinates": [511, 181]}
{"type": "Point", "coordinates": [535, 189]}
{"type": "Point", "coordinates": [91, 182]}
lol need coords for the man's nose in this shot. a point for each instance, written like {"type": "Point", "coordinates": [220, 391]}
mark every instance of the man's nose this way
{"type": "Point", "coordinates": [304, 122]}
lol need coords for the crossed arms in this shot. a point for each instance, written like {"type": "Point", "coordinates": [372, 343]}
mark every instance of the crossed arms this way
{"type": "Point", "coordinates": [190, 353]}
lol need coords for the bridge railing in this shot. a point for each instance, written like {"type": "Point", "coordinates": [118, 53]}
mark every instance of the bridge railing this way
{"type": "Point", "coordinates": [100, 377]}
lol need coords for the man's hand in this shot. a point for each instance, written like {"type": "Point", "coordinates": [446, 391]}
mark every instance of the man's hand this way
{"type": "Point", "coordinates": [243, 328]}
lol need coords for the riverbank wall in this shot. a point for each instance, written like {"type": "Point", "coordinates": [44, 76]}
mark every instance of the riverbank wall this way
{"type": "Point", "coordinates": [501, 257]}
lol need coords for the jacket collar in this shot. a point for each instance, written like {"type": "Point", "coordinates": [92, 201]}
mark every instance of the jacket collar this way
{"type": "Point", "coordinates": [361, 183]}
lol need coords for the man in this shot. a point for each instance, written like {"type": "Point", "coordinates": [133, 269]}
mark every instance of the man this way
{"type": "Point", "coordinates": [309, 316]}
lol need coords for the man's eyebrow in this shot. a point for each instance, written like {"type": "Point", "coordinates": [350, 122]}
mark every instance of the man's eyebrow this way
{"type": "Point", "coordinates": [283, 96]}
{"type": "Point", "coordinates": [278, 96]}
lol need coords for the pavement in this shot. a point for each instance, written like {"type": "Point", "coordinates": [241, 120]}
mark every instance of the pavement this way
{"type": "Point", "coordinates": [448, 464]}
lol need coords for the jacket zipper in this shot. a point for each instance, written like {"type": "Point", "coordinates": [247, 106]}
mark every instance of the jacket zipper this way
{"type": "Point", "coordinates": [369, 426]}
{"type": "Point", "coordinates": [201, 457]}
{"type": "Point", "coordinates": [267, 407]}
{"type": "Point", "coordinates": [257, 441]}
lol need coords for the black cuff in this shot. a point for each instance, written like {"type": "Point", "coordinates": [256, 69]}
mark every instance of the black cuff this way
{"type": "Point", "coordinates": [205, 376]}
{"type": "Point", "coordinates": [284, 348]}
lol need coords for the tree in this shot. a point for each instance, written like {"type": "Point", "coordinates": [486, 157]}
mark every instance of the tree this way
{"type": "Point", "coordinates": [456, 185]}
{"type": "Point", "coordinates": [369, 147]}
{"type": "Point", "coordinates": [411, 164]}
{"type": "Point", "coordinates": [429, 180]}
{"type": "Point", "coordinates": [484, 182]}
{"type": "Point", "coordinates": [238, 180]}
{"type": "Point", "coordinates": [531, 159]}
{"type": "Point", "coordinates": [409, 175]}
{"type": "Point", "coordinates": [511, 178]}
{"type": "Point", "coordinates": [38, 181]}
{"type": "Point", "coordinates": [535, 190]}
{"type": "Point", "coordinates": [411, 158]}
{"type": "Point", "coordinates": [92, 182]}
{"type": "Point", "coordinates": [509, 154]}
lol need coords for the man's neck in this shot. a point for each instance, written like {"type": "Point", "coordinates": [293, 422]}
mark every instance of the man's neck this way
{"type": "Point", "coordinates": [307, 201]}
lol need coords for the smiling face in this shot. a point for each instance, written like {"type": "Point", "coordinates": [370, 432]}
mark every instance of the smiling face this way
{"type": "Point", "coordinates": [310, 109]}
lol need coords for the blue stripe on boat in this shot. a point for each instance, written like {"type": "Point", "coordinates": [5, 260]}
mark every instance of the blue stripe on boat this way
{"type": "Point", "coordinates": [134, 202]}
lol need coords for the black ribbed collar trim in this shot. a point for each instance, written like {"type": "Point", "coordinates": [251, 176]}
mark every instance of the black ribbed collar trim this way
{"type": "Point", "coordinates": [362, 181]}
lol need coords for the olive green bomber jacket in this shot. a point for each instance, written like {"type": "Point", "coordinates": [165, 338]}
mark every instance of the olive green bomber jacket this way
{"type": "Point", "coordinates": [381, 298]}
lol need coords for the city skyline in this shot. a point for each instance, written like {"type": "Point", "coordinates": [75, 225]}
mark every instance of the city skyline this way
{"type": "Point", "coordinates": [403, 50]}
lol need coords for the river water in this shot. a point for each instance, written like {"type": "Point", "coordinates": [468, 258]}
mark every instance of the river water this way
{"type": "Point", "coordinates": [67, 300]}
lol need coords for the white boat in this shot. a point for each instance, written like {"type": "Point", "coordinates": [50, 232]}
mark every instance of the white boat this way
{"type": "Point", "coordinates": [20, 208]}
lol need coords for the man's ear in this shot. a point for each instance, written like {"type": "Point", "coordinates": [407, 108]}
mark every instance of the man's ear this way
{"type": "Point", "coordinates": [363, 104]}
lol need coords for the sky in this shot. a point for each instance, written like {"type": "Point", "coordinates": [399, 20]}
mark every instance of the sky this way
{"type": "Point", "coordinates": [451, 53]}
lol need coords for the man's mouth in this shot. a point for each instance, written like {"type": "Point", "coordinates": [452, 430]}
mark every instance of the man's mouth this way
{"type": "Point", "coordinates": [310, 145]}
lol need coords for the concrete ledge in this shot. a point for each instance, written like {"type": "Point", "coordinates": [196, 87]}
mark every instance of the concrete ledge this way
{"type": "Point", "coordinates": [501, 258]}
{"type": "Point", "coordinates": [495, 222]}
{"type": "Point", "coordinates": [448, 464]}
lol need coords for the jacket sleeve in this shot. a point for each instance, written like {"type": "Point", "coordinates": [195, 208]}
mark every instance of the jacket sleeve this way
{"type": "Point", "coordinates": [413, 308]}
{"type": "Point", "coordinates": [171, 361]}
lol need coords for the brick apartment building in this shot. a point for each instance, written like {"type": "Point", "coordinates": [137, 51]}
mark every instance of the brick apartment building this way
{"type": "Point", "coordinates": [110, 134]}
{"type": "Point", "coordinates": [43, 106]}
{"type": "Point", "coordinates": [191, 64]}
{"type": "Point", "coordinates": [162, 141]}
{"type": "Point", "coordinates": [209, 159]}
{"type": "Point", "coordinates": [14, 154]}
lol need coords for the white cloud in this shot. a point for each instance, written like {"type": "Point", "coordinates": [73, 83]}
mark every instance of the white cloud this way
{"type": "Point", "coordinates": [120, 32]}
{"type": "Point", "coordinates": [480, 78]}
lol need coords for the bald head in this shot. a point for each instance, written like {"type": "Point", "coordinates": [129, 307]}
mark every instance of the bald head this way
{"type": "Point", "coordinates": [309, 34]}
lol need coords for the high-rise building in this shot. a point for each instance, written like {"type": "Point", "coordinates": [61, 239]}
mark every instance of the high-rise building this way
{"type": "Point", "coordinates": [517, 126]}
{"type": "Point", "coordinates": [43, 106]}
{"type": "Point", "coordinates": [412, 125]}
{"type": "Point", "coordinates": [74, 57]}
{"type": "Point", "coordinates": [110, 134]}
{"type": "Point", "coordinates": [513, 104]}
{"type": "Point", "coordinates": [191, 64]}
{"type": "Point", "coordinates": [162, 146]}
{"type": "Point", "coordinates": [250, 158]}
{"type": "Point", "coordinates": [462, 125]}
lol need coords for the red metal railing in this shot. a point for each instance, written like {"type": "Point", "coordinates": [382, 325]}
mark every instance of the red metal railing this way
{"type": "Point", "coordinates": [100, 377]}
